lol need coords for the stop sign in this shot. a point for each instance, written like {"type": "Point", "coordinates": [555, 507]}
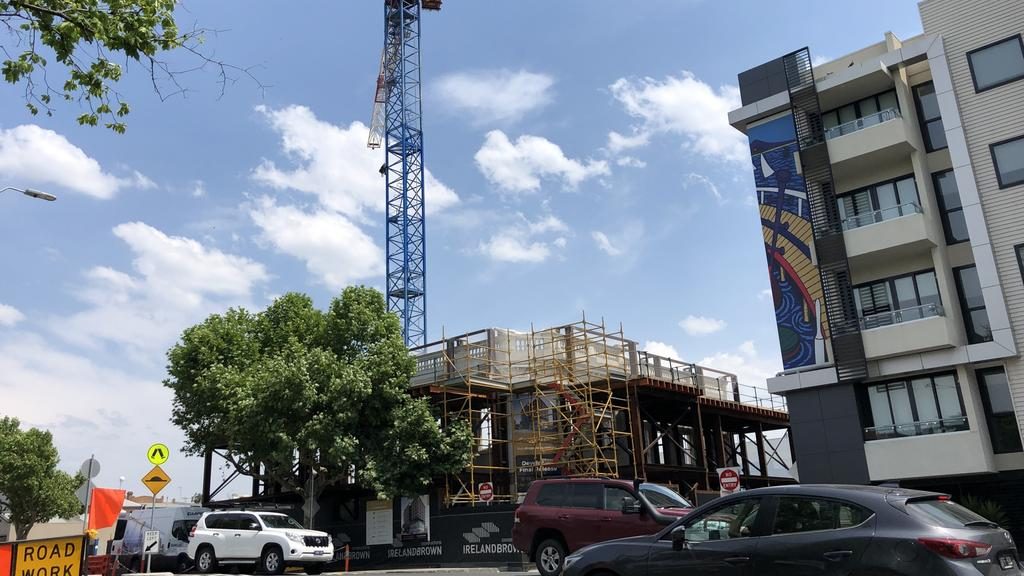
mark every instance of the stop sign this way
{"type": "Point", "coordinates": [729, 480]}
{"type": "Point", "coordinates": [486, 492]}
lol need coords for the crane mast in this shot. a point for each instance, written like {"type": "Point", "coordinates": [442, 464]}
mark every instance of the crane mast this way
{"type": "Point", "coordinates": [397, 122]}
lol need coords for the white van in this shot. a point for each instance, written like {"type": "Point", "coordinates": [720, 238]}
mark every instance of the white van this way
{"type": "Point", "coordinates": [174, 523]}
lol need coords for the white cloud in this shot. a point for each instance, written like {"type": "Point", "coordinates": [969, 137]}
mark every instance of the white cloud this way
{"type": "Point", "coordinates": [334, 249]}
{"type": "Point", "coordinates": [494, 95]}
{"type": "Point", "coordinates": [334, 164]}
{"type": "Point", "coordinates": [764, 294]}
{"type": "Point", "coordinates": [32, 155]}
{"type": "Point", "coordinates": [746, 362]}
{"type": "Point", "coordinates": [605, 244]}
{"type": "Point", "coordinates": [520, 166]}
{"type": "Point", "coordinates": [198, 189]}
{"type": "Point", "coordinates": [700, 180]}
{"type": "Point", "coordinates": [631, 162]}
{"type": "Point", "coordinates": [176, 281]}
{"type": "Point", "coordinates": [9, 315]}
{"type": "Point", "coordinates": [701, 325]}
{"type": "Point", "coordinates": [686, 106]}
{"type": "Point", "coordinates": [619, 143]}
{"type": "Point", "coordinates": [524, 241]}
{"type": "Point", "coordinates": [661, 349]}
{"type": "Point", "coordinates": [820, 59]}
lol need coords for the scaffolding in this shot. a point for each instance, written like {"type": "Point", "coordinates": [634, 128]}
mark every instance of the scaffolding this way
{"type": "Point", "coordinates": [579, 423]}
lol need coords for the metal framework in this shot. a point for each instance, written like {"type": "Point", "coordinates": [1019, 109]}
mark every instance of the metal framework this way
{"type": "Point", "coordinates": [398, 113]}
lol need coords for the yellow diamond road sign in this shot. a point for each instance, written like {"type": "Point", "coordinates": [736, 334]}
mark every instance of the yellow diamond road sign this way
{"type": "Point", "coordinates": [158, 454]}
{"type": "Point", "coordinates": [156, 479]}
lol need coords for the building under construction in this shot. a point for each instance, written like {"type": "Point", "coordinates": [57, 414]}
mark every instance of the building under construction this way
{"type": "Point", "coordinates": [582, 400]}
{"type": "Point", "coordinates": [577, 400]}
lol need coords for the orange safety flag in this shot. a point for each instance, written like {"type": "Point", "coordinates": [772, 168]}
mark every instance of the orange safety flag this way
{"type": "Point", "coordinates": [5, 559]}
{"type": "Point", "coordinates": [104, 507]}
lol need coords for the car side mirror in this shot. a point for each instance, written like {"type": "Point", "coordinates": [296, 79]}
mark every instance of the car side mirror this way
{"type": "Point", "coordinates": [678, 538]}
{"type": "Point", "coordinates": [630, 506]}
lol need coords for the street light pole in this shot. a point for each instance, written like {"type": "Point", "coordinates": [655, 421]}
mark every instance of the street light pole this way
{"type": "Point", "coordinates": [31, 193]}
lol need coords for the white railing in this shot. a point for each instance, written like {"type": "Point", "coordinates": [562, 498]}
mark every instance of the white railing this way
{"type": "Point", "coordinates": [861, 220]}
{"type": "Point", "coordinates": [862, 123]}
{"type": "Point", "coordinates": [923, 428]}
{"type": "Point", "coordinates": [903, 315]}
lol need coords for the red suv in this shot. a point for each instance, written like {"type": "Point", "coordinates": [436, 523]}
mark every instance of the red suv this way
{"type": "Point", "coordinates": [561, 516]}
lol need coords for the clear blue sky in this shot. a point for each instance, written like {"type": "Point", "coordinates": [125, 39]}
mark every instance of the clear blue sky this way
{"type": "Point", "coordinates": [539, 211]}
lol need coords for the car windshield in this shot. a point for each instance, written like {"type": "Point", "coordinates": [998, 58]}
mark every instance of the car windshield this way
{"type": "Point", "coordinates": [280, 521]}
{"type": "Point", "coordinates": [943, 513]}
{"type": "Point", "coordinates": [661, 497]}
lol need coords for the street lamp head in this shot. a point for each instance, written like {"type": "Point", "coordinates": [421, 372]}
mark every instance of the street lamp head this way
{"type": "Point", "coordinates": [39, 194]}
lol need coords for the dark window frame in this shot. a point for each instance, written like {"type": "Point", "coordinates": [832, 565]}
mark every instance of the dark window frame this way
{"type": "Point", "coordinates": [890, 283]}
{"type": "Point", "coordinates": [965, 310]}
{"type": "Point", "coordinates": [987, 405]}
{"type": "Point", "coordinates": [856, 106]}
{"type": "Point", "coordinates": [1019, 250]}
{"type": "Point", "coordinates": [995, 164]}
{"type": "Point", "coordinates": [970, 63]}
{"type": "Point", "coordinates": [872, 190]}
{"type": "Point", "coordinates": [923, 122]}
{"type": "Point", "coordinates": [950, 240]}
{"type": "Point", "coordinates": [907, 383]}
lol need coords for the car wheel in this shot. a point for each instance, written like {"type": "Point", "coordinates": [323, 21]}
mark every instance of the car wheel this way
{"type": "Point", "coordinates": [315, 569]}
{"type": "Point", "coordinates": [183, 565]}
{"type": "Point", "coordinates": [550, 555]}
{"type": "Point", "coordinates": [272, 561]}
{"type": "Point", "coordinates": [206, 560]}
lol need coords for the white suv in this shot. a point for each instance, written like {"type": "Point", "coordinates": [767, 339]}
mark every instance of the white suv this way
{"type": "Point", "coordinates": [270, 540]}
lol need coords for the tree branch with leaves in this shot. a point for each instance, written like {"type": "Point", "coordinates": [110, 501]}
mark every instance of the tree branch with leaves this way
{"type": "Point", "coordinates": [87, 39]}
{"type": "Point", "coordinates": [293, 389]}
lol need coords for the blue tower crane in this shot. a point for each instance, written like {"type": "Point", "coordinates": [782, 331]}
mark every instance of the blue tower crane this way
{"type": "Point", "coordinates": [397, 121]}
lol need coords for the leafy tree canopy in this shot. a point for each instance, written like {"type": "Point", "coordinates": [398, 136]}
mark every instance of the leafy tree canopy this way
{"type": "Point", "coordinates": [32, 489]}
{"type": "Point", "coordinates": [86, 40]}
{"type": "Point", "coordinates": [294, 388]}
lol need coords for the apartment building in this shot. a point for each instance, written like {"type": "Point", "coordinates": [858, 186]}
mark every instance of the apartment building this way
{"type": "Point", "coordinates": [890, 184]}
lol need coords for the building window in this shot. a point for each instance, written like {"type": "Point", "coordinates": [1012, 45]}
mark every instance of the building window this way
{"type": "Point", "coordinates": [948, 195]}
{"type": "Point", "coordinates": [879, 202]}
{"type": "Point", "coordinates": [861, 114]}
{"type": "Point", "coordinates": [1008, 157]}
{"type": "Point", "coordinates": [930, 404]}
{"type": "Point", "coordinates": [932, 131]}
{"type": "Point", "coordinates": [997, 64]}
{"type": "Point", "coordinates": [972, 304]}
{"type": "Point", "coordinates": [900, 299]}
{"type": "Point", "coordinates": [1002, 423]}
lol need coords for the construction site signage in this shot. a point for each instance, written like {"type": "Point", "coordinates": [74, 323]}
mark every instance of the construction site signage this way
{"type": "Point", "coordinates": [158, 454]}
{"type": "Point", "coordinates": [156, 480]}
{"type": "Point", "coordinates": [49, 557]}
{"type": "Point", "coordinates": [728, 480]}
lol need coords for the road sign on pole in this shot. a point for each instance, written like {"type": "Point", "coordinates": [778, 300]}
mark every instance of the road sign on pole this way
{"type": "Point", "coordinates": [151, 544]}
{"type": "Point", "coordinates": [486, 492]}
{"type": "Point", "coordinates": [728, 480]}
{"type": "Point", "coordinates": [158, 454]}
{"type": "Point", "coordinates": [156, 480]}
{"type": "Point", "coordinates": [90, 469]}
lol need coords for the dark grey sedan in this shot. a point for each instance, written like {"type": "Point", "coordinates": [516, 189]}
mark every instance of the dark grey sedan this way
{"type": "Point", "coordinates": [813, 531]}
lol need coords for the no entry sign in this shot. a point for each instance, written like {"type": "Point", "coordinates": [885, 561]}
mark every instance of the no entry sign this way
{"type": "Point", "coordinates": [486, 492]}
{"type": "Point", "coordinates": [728, 480]}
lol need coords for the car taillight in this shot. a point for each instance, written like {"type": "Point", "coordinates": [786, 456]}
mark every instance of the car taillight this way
{"type": "Point", "coordinates": [516, 517]}
{"type": "Point", "coordinates": [192, 532]}
{"type": "Point", "coordinates": [954, 548]}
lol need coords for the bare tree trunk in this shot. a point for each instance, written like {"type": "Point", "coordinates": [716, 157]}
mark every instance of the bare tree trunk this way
{"type": "Point", "coordinates": [21, 530]}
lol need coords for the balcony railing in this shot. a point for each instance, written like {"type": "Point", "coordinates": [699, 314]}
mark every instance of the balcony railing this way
{"type": "Point", "coordinates": [904, 315]}
{"type": "Point", "coordinates": [862, 123]}
{"type": "Point", "coordinates": [890, 213]}
{"type": "Point", "coordinates": [923, 428]}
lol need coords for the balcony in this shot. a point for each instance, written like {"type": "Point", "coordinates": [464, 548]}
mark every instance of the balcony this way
{"type": "Point", "coordinates": [940, 449]}
{"type": "Point", "coordinates": [867, 142]}
{"type": "Point", "coordinates": [906, 331]}
{"type": "Point", "coordinates": [925, 428]}
{"type": "Point", "coordinates": [893, 232]}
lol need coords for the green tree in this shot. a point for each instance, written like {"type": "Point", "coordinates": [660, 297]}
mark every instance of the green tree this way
{"type": "Point", "coordinates": [32, 489]}
{"type": "Point", "coordinates": [87, 40]}
{"type": "Point", "coordinates": [294, 388]}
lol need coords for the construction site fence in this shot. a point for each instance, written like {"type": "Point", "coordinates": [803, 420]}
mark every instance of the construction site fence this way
{"type": "Point", "coordinates": [503, 357]}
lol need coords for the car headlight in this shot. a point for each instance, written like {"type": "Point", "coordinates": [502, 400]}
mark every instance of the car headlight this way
{"type": "Point", "coordinates": [297, 538]}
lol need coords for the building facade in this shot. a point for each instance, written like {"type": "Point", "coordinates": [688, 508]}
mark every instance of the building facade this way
{"type": "Point", "coordinates": [890, 184]}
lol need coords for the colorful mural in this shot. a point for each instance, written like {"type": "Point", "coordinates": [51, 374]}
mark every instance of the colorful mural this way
{"type": "Point", "coordinates": [789, 243]}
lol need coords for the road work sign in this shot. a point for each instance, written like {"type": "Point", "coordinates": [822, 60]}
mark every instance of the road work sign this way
{"type": "Point", "coordinates": [50, 557]}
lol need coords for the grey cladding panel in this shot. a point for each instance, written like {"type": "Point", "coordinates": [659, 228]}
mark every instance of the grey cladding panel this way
{"type": "Point", "coordinates": [763, 81]}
